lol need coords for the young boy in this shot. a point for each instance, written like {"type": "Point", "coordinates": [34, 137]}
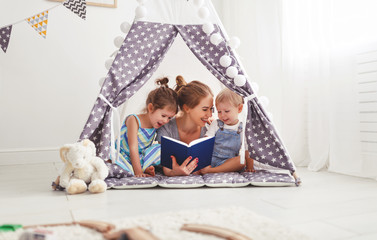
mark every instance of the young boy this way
{"type": "Point", "coordinates": [227, 131]}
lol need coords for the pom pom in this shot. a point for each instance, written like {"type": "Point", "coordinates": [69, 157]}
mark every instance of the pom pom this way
{"type": "Point", "coordinates": [108, 63]}
{"type": "Point", "coordinates": [208, 28]}
{"type": "Point", "coordinates": [270, 115]}
{"type": "Point", "coordinates": [234, 42]}
{"type": "Point", "coordinates": [140, 1]}
{"type": "Point", "coordinates": [231, 72]}
{"type": "Point", "coordinates": [225, 61]}
{"type": "Point", "coordinates": [141, 12]}
{"type": "Point", "coordinates": [118, 41]}
{"type": "Point", "coordinates": [215, 39]}
{"type": "Point", "coordinates": [125, 27]}
{"type": "Point", "coordinates": [101, 81]}
{"type": "Point", "coordinates": [198, 3]}
{"type": "Point", "coordinates": [203, 12]}
{"type": "Point", "coordinates": [254, 86]}
{"type": "Point", "coordinates": [239, 80]}
{"type": "Point", "coordinates": [264, 101]}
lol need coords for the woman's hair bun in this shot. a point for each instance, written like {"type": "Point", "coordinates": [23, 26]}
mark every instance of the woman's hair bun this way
{"type": "Point", "coordinates": [180, 82]}
{"type": "Point", "coordinates": [163, 82]}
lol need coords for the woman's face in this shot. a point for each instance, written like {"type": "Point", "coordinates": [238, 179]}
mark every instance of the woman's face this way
{"type": "Point", "coordinates": [201, 112]}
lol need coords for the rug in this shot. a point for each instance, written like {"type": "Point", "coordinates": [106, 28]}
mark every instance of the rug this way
{"type": "Point", "coordinates": [167, 226]}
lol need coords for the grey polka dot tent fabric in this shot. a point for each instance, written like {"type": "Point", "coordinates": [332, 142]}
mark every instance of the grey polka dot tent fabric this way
{"type": "Point", "coordinates": [141, 53]}
{"type": "Point", "coordinates": [138, 58]}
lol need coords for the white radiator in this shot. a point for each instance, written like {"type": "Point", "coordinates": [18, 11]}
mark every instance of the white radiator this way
{"type": "Point", "coordinates": [366, 77]}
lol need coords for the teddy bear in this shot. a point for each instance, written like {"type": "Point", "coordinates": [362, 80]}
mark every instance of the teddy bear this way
{"type": "Point", "coordinates": [82, 167]}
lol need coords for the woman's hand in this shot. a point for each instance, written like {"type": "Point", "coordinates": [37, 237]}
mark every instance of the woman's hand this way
{"type": "Point", "coordinates": [184, 169]}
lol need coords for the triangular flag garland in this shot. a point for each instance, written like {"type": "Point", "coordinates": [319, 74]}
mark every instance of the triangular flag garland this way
{"type": "Point", "coordinates": [4, 37]}
{"type": "Point", "coordinates": [39, 23]}
{"type": "Point", "coordinates": [77, 6]}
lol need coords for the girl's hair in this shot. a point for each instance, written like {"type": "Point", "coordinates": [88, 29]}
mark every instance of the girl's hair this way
{"type": "Point", "coordinates": [191, 93]}
{"type": "Point", "coordinates": [227, 95]}
{"type": "Point", "coordinates": [163, 96]}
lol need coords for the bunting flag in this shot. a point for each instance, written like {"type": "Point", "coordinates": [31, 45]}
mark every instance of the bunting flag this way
{"type": "Point", "coordinates": [76, 6]}
{"type": "Point", "coordinates": [4, 37]}
{"type": "Point", "coordinates": [39, 23]}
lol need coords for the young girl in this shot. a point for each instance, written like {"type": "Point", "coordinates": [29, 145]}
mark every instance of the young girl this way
{"type": "Point", "coordinates": [137, 154]}
{"type": "Point", "coordinates": [227, 131]}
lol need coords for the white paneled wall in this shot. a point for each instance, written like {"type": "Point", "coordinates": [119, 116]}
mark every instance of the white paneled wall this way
{"type": "Point", "coordinates": [366, 77]}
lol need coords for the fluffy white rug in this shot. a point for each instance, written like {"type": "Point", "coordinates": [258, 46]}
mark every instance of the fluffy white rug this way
{"type": "Point", "coordinates": [167, 226]}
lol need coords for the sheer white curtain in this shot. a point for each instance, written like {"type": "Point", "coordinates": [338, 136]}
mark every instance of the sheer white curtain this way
{"type": "Point", "coordinates": [302, 54]}
{"type": "Point", "coordinates": [305, 26]}
{"type": "Point", "coordinates": [321, 41]}
{"type": "Point", "coordinates": [284, 50]}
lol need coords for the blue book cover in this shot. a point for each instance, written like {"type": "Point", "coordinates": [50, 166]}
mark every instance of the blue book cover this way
{"type": "Point", "coordinates": [201, 148]}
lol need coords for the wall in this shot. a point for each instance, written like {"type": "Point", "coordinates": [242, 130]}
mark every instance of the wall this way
{"type": "Point", "coordinates": [48, 86]}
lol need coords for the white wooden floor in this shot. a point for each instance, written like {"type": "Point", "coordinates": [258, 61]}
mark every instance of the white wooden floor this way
{"type": "Point", "coordinates": [326, 206]}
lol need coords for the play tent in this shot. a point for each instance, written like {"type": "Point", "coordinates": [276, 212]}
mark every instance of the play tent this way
{"type": "Point", "coordinates": [155, 27]}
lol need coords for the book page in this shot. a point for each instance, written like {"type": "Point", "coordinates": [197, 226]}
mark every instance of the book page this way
{"type": "Point", "coordinates": [199, 140]}
{"type": "Point", "coordinates": [177, 141]}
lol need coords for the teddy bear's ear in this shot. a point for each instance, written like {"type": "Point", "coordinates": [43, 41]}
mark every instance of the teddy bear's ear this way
{"type": "Point", "coordinates": [63, 152]}
{"type": "Point", "coordinates": [90, 145]}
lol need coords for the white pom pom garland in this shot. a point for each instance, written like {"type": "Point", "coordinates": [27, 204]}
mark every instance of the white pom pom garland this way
{"type": "Point", "coordinates": [264, 101]}
{"type": "Point", "coordinates": [118, 41]}
{"type": "Point", "coordinates": [108, 63]}
{"type": "Point", "coordinates": [270, 115]}
{"type": "Point", "coordinates": [254, 86]}
{"type": "Point", "coordinates": [231, 72]}
{"type": "Point", "coordinates": [208, 28]}
{"type": "Point", "coordinates": [234, 42]}
{"type": "Point", "coordinates": [215, 39]}
{"type": "Point", "coordinates": [225, 61]}
{"type": "Point", "coordinates": [198, 3]}
{"type": "Point", "coordinates": [101, 81]}
{"type": "Point", "coordinates": [239, 80]}
{"type": "Point", "coordinates": [203, 12]}
{"type": "Point", "coordinates": [141, 12]}
{"type": "Point", "coordinates": [125, 27]}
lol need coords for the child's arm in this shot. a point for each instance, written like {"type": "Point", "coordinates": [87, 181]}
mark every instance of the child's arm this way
{"type": "Point", "coordinates": [249, 162]}
{"type": "Point", "coordinates": [211, 129]}
{"type": "Point", "coordinates": [230, 165]}
{"type": "Point", "coordinates": [132, 129]}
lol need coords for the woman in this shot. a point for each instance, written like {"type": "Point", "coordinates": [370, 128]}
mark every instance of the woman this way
{"type": "Point", "coordinates": [195, 101]}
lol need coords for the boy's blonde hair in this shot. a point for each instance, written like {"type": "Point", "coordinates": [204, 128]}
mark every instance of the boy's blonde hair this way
{"type": "Point", "coordinates": [227, 95]}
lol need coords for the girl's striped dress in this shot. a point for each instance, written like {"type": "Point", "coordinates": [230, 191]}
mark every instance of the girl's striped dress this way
{"type": "Point", "coordinates": [149, 153]}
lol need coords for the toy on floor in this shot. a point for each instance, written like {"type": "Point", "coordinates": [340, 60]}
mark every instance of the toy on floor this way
{"type": "Point", "coordinates": [99, 226]}
{"type": "Point", "coordinates": [109, 232]}
{"type": "Point", "coordinates": [82, 167]}
{"type": "Point", "coordinates": [106, 229]}
{"type": "Point", "coordinates": [215, 231]}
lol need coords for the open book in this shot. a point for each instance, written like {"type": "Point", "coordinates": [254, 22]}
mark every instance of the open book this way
{"type": "Point", "coordinates": [201, 148]}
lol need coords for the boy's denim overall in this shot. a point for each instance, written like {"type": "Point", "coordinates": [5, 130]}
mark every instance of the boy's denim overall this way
{"type": "Point", "coordinates": [227, 144]}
